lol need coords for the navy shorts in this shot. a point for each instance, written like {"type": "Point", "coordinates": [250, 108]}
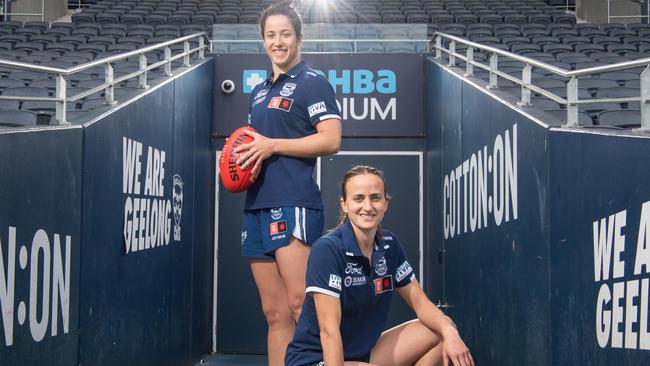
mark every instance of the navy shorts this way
{"type": "Point", "coordinates": [266, 230]}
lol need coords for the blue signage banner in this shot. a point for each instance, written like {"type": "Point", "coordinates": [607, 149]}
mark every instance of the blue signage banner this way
{"type": "Point", "coordinates": [493, 223]}
{"type": "Point", "coordinates": [40, 241]}
{"type": "Point", "coordinates": [600, 248]}
{"type": "Point", "coordinates": [377, 94]}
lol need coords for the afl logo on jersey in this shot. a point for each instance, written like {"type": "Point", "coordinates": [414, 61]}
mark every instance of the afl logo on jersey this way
{"type": "Point", "coordinates": [287, 89]}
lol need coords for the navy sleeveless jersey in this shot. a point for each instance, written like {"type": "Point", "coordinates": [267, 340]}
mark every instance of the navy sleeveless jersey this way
{"type": "Point", "coordinates": [336, 267]}
{"type": "Point", "coordinates": [289, 108]}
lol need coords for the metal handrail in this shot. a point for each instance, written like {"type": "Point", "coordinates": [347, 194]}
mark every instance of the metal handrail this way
{"type": "Point", "coordinates": [5, 13]}
{"type": "Point", "coordinates": [333, 40]}
{"type": "Point", "coordinates": [610, 17]}
{"type": "Point", "coordinates": [525, 82]}
{"type": "Point", "coordinates": [61, 98]}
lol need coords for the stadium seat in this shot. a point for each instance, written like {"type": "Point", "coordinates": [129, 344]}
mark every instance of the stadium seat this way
{"type": "Point", "coordinates": [28, 75]}
{"type": "Point", "coordinates": [370, 47]}
{"type": "Point", "coordinates": [131, 19]}
{"type": "Point", "coordinates": [9, 104]}
{"type": "Point", "coordinates": [92, 103]}
{"type": "Point", "coordinates": [560, 114]}
{"type": "Point", "coordinates": [246, 48]}
{"type": "Point", "coordinates": [546, 83]}
{"type": "Point", "coordinates": [562, 92]}
{"type": "Point", "coordinates": [624, 118]}
{"type": "Point", "coordinates": [620, 76]}
{"type": "Point", "coordinates": [593, 109]}
{"type": "Point", "coordinates": [593, 84]}
{"type": "Point", "coordinates": [17, 118]}
{"type": "Point", "coordinates": [10, 83]}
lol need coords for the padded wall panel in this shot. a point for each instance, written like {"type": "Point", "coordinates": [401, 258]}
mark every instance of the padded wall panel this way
{"type": "Point", "coordinates": [599, 180]}
{"type": "Point", "coordinates": [494, 222]}
{"type": "Point", "coordinates": [40, 241]}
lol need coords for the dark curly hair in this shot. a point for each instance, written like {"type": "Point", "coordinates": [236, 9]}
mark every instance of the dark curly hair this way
{"type": "Point", "coordinates": [282, 7]}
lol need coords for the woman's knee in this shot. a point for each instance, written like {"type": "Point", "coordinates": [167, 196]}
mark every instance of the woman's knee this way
{"type": "Point", "coordinates": [277, 314]}
{"type": "Point", "coordinates": [295, 303]}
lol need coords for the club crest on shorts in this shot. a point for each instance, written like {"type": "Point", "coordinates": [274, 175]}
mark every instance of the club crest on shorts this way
{"type": "Point", "coordinates": [287, 89]}
{"type": "Point", "coordinates": [276, 213]}
{"type": "Point", "coordinates": [380, 267]}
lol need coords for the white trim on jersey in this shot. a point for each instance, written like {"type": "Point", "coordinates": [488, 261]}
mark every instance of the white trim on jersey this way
{"type": "Point", "coordinates": [311, 289]}
{"type": "Point", "coordinates": [328, 116]}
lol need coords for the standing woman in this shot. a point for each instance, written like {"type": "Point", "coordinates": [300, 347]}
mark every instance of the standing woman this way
{"type": "Point", "coordinates": [351, 275]}
{"type": "Point", "coordinates": [296, 118]}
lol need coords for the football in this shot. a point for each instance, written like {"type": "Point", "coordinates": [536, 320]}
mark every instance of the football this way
{"type": "Point", "coordinates": [233, 177]}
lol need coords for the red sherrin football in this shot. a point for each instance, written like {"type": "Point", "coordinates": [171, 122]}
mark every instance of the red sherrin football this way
{"type": "Point", "coordinates": [233, 177]}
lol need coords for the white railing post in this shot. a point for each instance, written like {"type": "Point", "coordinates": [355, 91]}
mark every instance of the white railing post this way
{"type": "Point", "coordinates": [494, 65]}
{"type": "Point", "coordinates": [438, 47]}
{"type": "Point", "coordinates": [525, 83]}
{"type": "Point", "coordinates": [61, 103]}
{"type": "Point", "coordinates": [572, 107]}
{"type": "Point", "coordinates": [469, 66]}
{"type": "Point", "coordinates": [452, 53]}
{"type": "Point", "coordinates": [168, 58]}
{"type": "Point", "coordinates": [186, 51]}
{"type": "Point", "coordinates": [143, 68]}
{"type": "Point", "coordinates": [201, 47]}
{"type": "Point", "coordinates": [645, 99]}
{"type": "Point", "coordinates": [109, 91]}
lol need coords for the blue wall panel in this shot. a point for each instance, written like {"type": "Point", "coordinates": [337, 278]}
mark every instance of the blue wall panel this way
{"type": "Point", "coordinates": [203, 225]}
{"type": "Point", "coordinates": [599, 179]}
{"type": "Point", "coordinates": [128, 294]}
{"type": "Point", "coordinates": [40, 235]}
{"type": "Point", "coordinates": [138, 307]}
{"type": "Point", "coordinates": [493, 187]}
{"type": "Point", "coordinates": [441, 88]}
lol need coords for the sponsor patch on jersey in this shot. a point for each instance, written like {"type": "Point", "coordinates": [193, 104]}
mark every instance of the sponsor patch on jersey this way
{"type": "Point", "coordinates": [403, 270]}
{"type": "Point", "coordinates": [287, 89]}
{"type": "Point", "coordinates": [316, 108]}
{"type": "Point", "coordinates": [278, 227]}
{"type": "Point", "coordinates": [261, 93]}
{"type": "Point", "coordinates": [354, 281]}
{"type": "Point", "coordinates": [335, 282]}
{"type": "Point", "coordinates": [281, 103]}
{"type": "Point", "coordinates": [383, 284]}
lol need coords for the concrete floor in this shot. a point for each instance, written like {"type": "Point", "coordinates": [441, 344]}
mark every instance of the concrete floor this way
{"type": "Point", "coordinates": [232, 360]}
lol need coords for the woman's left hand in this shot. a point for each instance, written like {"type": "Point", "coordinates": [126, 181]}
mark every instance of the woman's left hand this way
{"type": "Point", "coordinates": [454, 349]}
{"type": "Point", "coordinates": [255, 151]}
